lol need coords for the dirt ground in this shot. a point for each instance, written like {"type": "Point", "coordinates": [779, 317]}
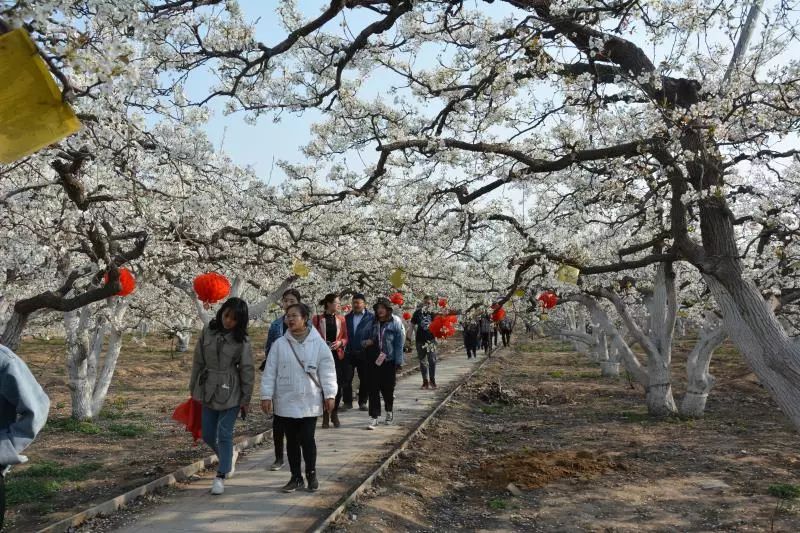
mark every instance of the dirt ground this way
{"type": "Point", "coordinates": [584, 456]}
{"type": "Point", "coordinates": [73, 466]}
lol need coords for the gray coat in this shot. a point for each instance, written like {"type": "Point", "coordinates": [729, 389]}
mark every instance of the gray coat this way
{"type": "Point", "coordinates": [223, 372]}
{"type": "Point", "coordinates": [23, 408]}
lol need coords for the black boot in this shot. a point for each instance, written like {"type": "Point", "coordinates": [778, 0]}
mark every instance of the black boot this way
{"type": "Point", "coordinates": [326, 419]}
{"type": "Point", "coordinates": [295, 483]}
{"type": "Point", "coordinates": [335, 419]}
{"type": "Point", "coordinates": [313, 484]}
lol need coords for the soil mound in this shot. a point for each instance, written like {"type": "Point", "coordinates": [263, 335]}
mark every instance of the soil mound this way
{"type": "Point", "coordinates": [530, 469]}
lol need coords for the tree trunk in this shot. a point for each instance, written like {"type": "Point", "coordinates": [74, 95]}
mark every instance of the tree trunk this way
{"type": "Point", "coordinates": [699, 379]}
{"type": "Point", "coordinates": [109, 362]}
{"type": "Point", "coordinates": [77, 344]}
{"type": "Point", "coordinates": [183, 339]}
{"type": "Point", "coordinates": [660, 401]}
{"type": "Point", "coordinates": [13, 331]}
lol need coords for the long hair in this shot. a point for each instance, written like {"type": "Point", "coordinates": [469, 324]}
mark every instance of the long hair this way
{"type": "Point", "coordinates": [239, 309]}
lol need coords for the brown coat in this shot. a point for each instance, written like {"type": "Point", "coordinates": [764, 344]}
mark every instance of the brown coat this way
{"type": "Point", "coordinates": [223, 372]}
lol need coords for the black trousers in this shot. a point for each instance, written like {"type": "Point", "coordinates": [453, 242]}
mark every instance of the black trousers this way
{"type": "Point", "coordinates": [486, 342]}
{"type": "Point", "coordinates": [278, 432]}
{"type": "Point", "coordinates": [344, 379]}
{"type": "Point", "coordinates": [300, 434]}
{"type": "Point", "coordinates": [363, 388]}
{"type": "Point", "coordinates": [381, 380]}
{"type": "Point", "coordinates": [506, 337]}
{"type": "Point", "coordinates": [494, 336]}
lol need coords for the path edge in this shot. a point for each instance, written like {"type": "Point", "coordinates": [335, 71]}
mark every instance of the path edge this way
{"type": "Point", "coordinates": [321, 525]}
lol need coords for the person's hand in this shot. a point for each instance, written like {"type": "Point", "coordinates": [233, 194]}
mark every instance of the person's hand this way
{"type": "Point", "coordinates": [246, 408]}
{"type": "Point", "coordinates": [329, 405]}
{"type": "Point", "coordinates": [266, 406]}
{"type": "Point", "coordinates": [367, 343]}
{"type": "Point", "coordinates": [335, 345]}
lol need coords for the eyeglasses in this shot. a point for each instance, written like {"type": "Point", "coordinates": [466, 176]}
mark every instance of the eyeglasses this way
{"type": "Point", "coordinates": [294, 316]}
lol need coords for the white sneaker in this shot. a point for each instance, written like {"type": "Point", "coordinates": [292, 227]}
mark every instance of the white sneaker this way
{"type": "Point", "coordinates": [233, 463]}
{"type": "Point", "coordinates": [389, 418]}
{"type": "Point", "coordinates": [373, 423]}
{"type": "Point", "coordinates": [218, 486]}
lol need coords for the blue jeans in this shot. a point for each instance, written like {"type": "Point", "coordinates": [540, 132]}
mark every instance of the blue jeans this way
{"type": "Point", "coordinates": [427, 360]}
{"type": "Point", "coordinates": [218, 434]}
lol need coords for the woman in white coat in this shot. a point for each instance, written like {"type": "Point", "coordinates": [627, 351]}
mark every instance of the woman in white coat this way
{"type": "Point", "coordinates": [300, 375]}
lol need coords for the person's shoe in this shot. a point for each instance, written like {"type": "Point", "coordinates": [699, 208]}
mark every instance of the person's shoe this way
{"type": "Point", "coordinates": [326, 420]}
{"type": "Point", "coordinates": [277, 465]}
{"type": "Point", "coordinates": [347, 406]}
{"type": "Point", "coordinates": [389, 418]}
{"type": "Point", "coordinates": [294, 484]}
{"type": "Point", "coordinates": [424, 384]}
{"type": "Point", "coordinates": [362, 407]}
{"type": "Point", "coordinates": [373, 423]}
{"type": "Point", "coordinates": [313, 484]}
{"type": "Point", "coordinates": [335, 419]}
{"type": "Point", "coordinates": [218, 486]}
{"type": "Point", "coordinates": [433, 384]}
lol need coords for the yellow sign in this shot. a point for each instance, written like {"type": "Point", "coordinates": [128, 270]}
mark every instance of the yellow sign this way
{"type": "Point", "coordinates": [300, 269]}
{"type": "Point", "coordinates": [32, 114]}
{"type": "Point", "coordinates": [398, 278]}
{"type": "Point", "coordinates": [519, 293]}
{"type": "Point", "coordinates": [567, 274]}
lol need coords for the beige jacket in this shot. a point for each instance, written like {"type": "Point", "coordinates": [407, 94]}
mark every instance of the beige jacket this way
{"type": "Point", "coordinates": [223, 373]}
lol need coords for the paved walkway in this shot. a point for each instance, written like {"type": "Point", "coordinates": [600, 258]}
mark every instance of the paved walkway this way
{"type": "Point", "coordinates": [253, 501]}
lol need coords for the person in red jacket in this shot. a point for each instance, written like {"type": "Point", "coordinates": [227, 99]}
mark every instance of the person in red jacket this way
{"type": "Point", "coordinates": [332, 328]}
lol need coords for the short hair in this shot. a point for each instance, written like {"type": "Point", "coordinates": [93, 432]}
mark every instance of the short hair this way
{"type": "Point", "coordinates": [359, 296]}
{"type": "Point", "coordinates": [302, 308]}
{"type": "Point", "coordinates": [292, 292]}
{"type": "Point", "coordinates": [329, 299]}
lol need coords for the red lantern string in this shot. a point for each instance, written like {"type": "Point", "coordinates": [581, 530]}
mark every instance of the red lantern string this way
{"type": "Point", "coordinates": [397, 299]}
{"type": "Point", "coordinates": [548, 299]}
{"type": "Point", "coordinates": [211, 288]}
{"type": "Point", "coordinates": [499, 315]}
{"type": "Point", "coordinates": [406, 316]}
{"type": "Point", "coordinates": [127, 281]}
{"type": "Point", "coordinates": [442, 302]}
{"type": "Point", "coordinates": [443, 326]}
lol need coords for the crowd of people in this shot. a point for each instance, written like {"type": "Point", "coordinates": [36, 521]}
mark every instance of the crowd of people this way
{"type": "Point", "coordinates": [308, 371]}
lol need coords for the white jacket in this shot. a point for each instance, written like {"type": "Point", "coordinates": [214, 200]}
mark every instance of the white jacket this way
{"type": "Point", "coordinates": [293, 393]}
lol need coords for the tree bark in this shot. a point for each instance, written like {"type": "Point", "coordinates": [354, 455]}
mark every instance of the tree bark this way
{"type": "Point", "coordinates": [12, 333]}
{"type": "Point", "coordinates": [699, 379]}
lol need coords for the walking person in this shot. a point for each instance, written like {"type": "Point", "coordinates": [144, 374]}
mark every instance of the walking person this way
{"type": "Point", "coordinates": [23, 413]}
{"type": "Point", "coordinates": [384, 360]}
{"type": "Point", "coordinates": [485, 329]}
{"type": "Point", "coordinates": [222, 380]}
{"type": "Point", "coordinates": [333, 329]}
{"type": "Point", "coordinates": [506, 326]}
{"type": "Point", "coordinates": [359, 326]}
{"type": "Point", "coordinates": [495, 330]}
{"type": "Point", "coordinates": [471, 337]}
{"type": "Point", "coordinates": [299, 383]}
{"type": "Point", "coordinates": [426, 342]}
{"type": "Point", "coordinates": [277, 329]}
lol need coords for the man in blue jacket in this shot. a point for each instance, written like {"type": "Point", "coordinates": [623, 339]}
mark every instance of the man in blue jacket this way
{"type": "Point", "coordinates": [359, 326]}
{"type": "Point", "coordinates": [23, 413]}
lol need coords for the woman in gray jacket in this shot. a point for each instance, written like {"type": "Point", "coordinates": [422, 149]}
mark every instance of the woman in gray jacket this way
{"type": "Point", "coordinates": [222, 380]}
{"type": "Point", "coordinates": [300, 377]}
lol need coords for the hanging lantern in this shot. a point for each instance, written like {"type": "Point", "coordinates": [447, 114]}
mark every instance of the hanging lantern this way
{"type": "Point", "coordinates": [567, 274]}
{"type": "Point", "coordinates": [398, 278]}
{"type": "Point", "coordinates": [548, 299]}
{"type": "Point", "coordinates": [33, 114]}
{"type": "Point", "coordinates": [443, 326]}
{"type": "Point", "coordinates": [519, 293]}
{"type": "Point", "coordinates": [397, 299]}
{"type": "Point", "coordinates": [127, 281]}
{"type": "Point", "coordinates": [300, 269]}
{"type": "Point", "coordinates": [498, 315]}
{"type": "Point", "coordinates": [346, 308]}
{"type": "Point", "coordinates": [442, 302]}
{"type": "Point", "coordinates": [406, 316]}
{"type": "Point", "coordinates": [211, 287]}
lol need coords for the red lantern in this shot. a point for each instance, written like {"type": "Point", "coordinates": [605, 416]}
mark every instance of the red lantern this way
{"type": "Point", "coordinates": [346, 309]}
{"type": "Point", "coordinates": [443, 326]}
{"type": "Point", "coordinates": [548, 299]}
{"type": "Point", "coordinates": [442, 302]}
{"type": "Point", "coordinates": [211, 287]}
{"type": "Point", "coordinates": [397, 299]}
{"type": "Point", "coordinates": [406, 316]}
{"type": "Point", "coordinates": [499, 315]}
{"type": "Point", "coordinates": [127, 281]}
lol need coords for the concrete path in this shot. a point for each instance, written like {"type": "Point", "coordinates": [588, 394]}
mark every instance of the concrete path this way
{"type": "Point", "coordinates": [253, 501]}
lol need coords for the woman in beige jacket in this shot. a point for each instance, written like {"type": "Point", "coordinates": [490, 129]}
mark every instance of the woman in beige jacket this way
{"type": "Point", "coordinates": [222, 380]}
